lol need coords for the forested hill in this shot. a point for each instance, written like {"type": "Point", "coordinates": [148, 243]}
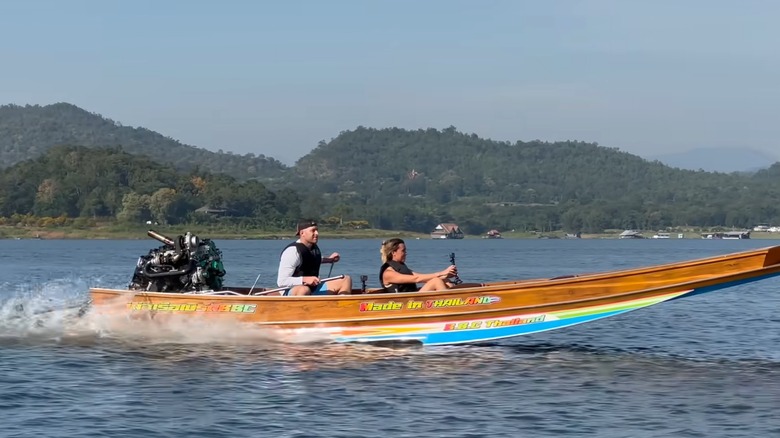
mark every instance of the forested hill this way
{"type": "Point", "coordinates": [78, 182]}
{"type": "Point", "coordinates": [448, 165]}
{"type": "Point", "coordinates": [29, 131]}
{"type": "Point", "coordinates": [389, 178]}
{"type": "Point", "coordinates": [424, 175]}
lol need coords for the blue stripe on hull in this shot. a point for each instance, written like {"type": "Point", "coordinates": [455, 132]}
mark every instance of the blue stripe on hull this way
{"type": "Point", "coordinates": [458, 337]}
{"type": "Point", "coordinates": [461, 336]}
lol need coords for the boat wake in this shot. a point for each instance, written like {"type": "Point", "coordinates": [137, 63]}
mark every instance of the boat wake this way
{"type": "Point", "coordinates": [186, 329]}
{"type": "Point", "coordinates": [40, 311]}
{"type": "Point", "coordinates": [58, 312]}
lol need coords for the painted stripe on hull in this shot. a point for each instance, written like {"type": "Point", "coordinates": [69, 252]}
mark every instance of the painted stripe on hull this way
{"type": "Point", "coordinates": [438, 334]}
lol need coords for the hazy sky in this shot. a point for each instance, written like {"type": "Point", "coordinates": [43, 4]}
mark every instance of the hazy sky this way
{"type": "Point", "coordinates": [276, 77]}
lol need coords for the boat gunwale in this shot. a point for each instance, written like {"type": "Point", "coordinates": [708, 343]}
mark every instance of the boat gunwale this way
{"type": "Point", "coordinates": [640, 270]}
{"type": "Point", "coordinates": [771, 270]}
{"type": "Point", "coordinates": [660, 290]}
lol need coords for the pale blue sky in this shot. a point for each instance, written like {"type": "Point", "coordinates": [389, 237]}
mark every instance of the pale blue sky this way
{"type": "Point", "coordinates": [275, 78]}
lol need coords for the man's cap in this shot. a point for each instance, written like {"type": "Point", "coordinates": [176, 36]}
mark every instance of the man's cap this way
{"type": "Point", "coordinates": [303, 224]}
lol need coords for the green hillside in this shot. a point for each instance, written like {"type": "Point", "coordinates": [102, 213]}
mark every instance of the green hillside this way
{"type": "Point", "coordinates": [419, 178]}
{"type": "Point", "coordinates": [70, 182]}
{"type": "Point", "coordinates": [393, 179]}
{"type": "Point", "coordinates": [28, 131]}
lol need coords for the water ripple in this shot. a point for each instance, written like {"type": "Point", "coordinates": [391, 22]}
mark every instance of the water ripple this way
{"type": "Point", "coordinates": [704, 367]}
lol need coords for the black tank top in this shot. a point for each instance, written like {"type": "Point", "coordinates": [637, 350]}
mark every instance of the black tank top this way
{"type": "Point", "coordinates": [400, 268]}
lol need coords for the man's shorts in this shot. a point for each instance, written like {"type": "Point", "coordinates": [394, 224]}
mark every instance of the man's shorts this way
{"type": "Point", "coordinates": [321, 289]}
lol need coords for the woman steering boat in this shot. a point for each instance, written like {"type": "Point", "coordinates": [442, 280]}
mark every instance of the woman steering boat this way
{"type": "Point", "coordinates": [395, 276]}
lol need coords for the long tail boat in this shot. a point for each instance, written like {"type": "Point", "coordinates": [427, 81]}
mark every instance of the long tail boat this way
{"type": "Point", "coordinates": [465, 313]}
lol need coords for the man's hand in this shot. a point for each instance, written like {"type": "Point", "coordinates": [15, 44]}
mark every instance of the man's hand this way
{"type": "Point", "coordinates": [335, 257]}
{"type": "Point", "coordinates": [311, 281]}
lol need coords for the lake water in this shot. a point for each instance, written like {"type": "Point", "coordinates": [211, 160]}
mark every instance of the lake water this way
{"type": "Point", "coordinates": [708, 366]}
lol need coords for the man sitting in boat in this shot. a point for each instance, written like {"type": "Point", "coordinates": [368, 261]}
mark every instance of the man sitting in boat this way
{"type": "Point", "coordinates": [299, 266]}
{"type": "Point", "coordinates": [395, 276]}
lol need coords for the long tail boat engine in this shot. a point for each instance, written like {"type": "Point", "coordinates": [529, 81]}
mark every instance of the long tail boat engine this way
{"type": "Point", "coordinates": [184, 264]}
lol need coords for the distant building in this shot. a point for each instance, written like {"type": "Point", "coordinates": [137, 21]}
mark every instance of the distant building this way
{"type": "Point", "coordinates": [447, 231]}
{"type": "Point", "coordinates": [492, 234]}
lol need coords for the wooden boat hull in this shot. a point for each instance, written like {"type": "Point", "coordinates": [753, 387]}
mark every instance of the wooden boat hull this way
{"type": "Point", "coordinates": [460, 315]}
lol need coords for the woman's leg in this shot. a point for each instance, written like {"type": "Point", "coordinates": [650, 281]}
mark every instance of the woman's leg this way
{"type": "Point", "coordinates": [434, 284]}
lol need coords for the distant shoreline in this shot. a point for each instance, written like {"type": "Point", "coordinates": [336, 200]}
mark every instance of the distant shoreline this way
{"type": "Point", "coordinates": [112, 233]}
{"type": "Point", "coordinates": [109, 233]}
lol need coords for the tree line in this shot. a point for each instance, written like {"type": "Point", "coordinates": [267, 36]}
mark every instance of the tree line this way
{"type": "Point", "coordinates": [108, 183]}
{"type": "Point", "coordinates": [383, 178]}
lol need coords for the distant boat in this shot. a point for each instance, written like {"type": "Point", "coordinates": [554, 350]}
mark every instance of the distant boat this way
{"type": "Point", "coordinates": [631, 234]}
{"type": "Point", "coordinates": [729, 235]}
{"type": "Point", "coordinates": [661, 236]}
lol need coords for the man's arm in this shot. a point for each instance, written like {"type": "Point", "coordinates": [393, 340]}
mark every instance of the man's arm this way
{"type": "Point", "coordinates": [289, 261]}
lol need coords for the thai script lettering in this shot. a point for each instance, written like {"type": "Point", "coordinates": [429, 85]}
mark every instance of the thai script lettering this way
{"type": "Point", "coordinates": [193, 307]}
